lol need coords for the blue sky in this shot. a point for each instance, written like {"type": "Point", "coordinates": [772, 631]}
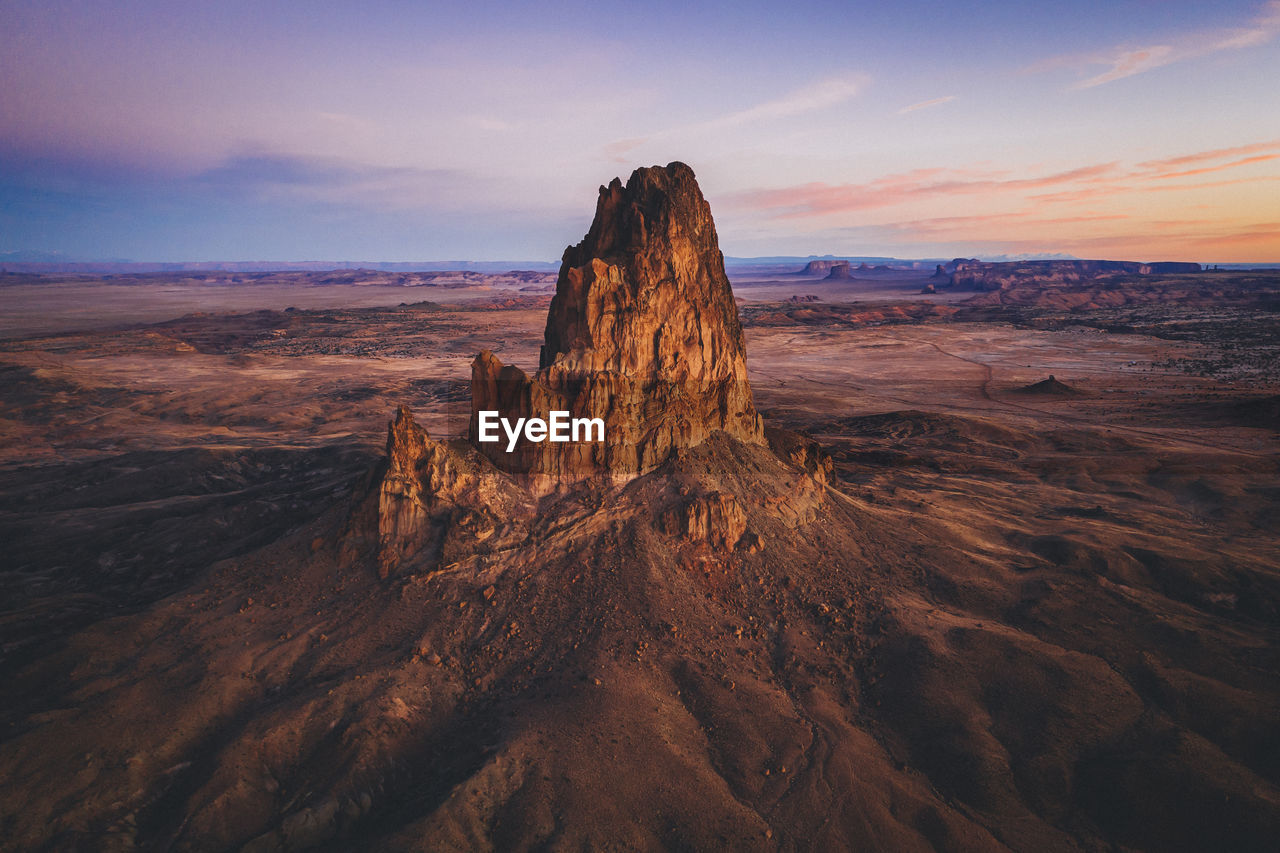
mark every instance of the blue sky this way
{"type": "Point", "coordinates": [421, 131]}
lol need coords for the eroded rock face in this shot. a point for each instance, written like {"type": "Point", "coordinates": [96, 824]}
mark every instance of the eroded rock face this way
{"type": "Point", "coordinates": [715, 518]}
{"type": "Point", "coordinates": [431, 495]}
{"type": "Point", "coordinates": [642, 333]}
{"type": "Point", "coordinates": [402, 501]}
{"type": "Point", "coordinates": [803, 452]}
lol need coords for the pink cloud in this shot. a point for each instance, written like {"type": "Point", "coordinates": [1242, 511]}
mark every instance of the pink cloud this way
{"type": "Point", "coordinates": [1204, 170]}
{"type": "Point", "coordinates": [1082, 183]}
{"type": "Point", "coordinates": [924, 105]}
{"type": "Point", "coordinates": [816, 199]}
{"type": "Point", "coordinates": [1129, 62]}
{"type": "Point", "coordinates": [1215, 154]}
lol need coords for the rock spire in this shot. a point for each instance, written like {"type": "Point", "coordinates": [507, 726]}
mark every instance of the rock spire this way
{"type": "Point", "coordinates": [642, 332]}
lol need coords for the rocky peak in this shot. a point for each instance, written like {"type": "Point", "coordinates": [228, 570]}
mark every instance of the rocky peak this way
{"type": "Point", "coordinates": [645, 292]}
{"type": "Point", "coordinates": [643, 332]}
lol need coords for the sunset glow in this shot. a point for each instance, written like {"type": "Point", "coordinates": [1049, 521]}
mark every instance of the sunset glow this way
{"type": "Point", "coordinates": [393, 131]}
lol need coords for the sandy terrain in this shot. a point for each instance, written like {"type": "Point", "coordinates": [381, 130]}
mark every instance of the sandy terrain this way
{"type": "Point", "coordinates": [37, 304]}
{"type": "Point", "coordinates": [1033, 619]}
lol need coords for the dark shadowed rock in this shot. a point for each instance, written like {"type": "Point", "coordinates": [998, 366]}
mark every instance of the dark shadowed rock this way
{"type": "Point", "coordinates": [1050, 386]}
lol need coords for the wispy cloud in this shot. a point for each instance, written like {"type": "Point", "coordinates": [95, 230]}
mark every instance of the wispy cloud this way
{"type": "Point", "coordinates": [817, 199]}
{"type": "Point", "coordinates": [1125, 61]}
{"type": "Point", "coordinates": [274, 176]}
{"type": "Point", "coordinates": [1026, 219]}
{"type": "Point", "coordinates": [820, 95]}
{"type": "Point", "coordinates": [1213, 154]}
{"type": "Point", "coordinates": [1066, 186]}
{"type": "Point", "coordinates": [618, 150]}
{"type": "Point", "coordinates": [1190, 238]}
{"type": "Point", "coordinates": [924, 105]}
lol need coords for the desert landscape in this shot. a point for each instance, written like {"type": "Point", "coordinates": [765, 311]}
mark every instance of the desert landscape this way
{"type": "Point", "coordinates": [971, 556]}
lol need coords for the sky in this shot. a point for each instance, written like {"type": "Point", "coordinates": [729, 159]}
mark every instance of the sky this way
{"type": "Point", "coordinates": [390, 130]}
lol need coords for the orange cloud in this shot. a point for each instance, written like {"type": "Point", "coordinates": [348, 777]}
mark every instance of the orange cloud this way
{"type": "Point", "coordinates": [1204, 170]}
{"type": "Point", "coordinates": [1254, 242]}
{"type": "Point", "coordinates": [1113, 209]}
{"type": "Point", "coordinates": [817, 199]}
{"type": "Point", "coordinates": [1215, 154]}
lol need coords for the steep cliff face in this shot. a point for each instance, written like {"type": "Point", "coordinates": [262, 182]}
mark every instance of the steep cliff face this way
{"type": "Point", "coordinates": [434, 498]}
{"type": "Point", "coordinates": [642, 333]}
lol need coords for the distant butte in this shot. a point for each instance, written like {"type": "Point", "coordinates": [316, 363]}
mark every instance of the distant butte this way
{"type": "Point", "coordinates": [840, 270]}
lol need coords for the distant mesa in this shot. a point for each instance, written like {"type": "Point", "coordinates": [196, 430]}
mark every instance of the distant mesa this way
{"type": "Point", "coordinates": [1171, 267]}
{"type": "Point", "coordinates": [840, 270]}
{"type": "Point", "coordinates": [1049, 387]}
{"type": "Point", "coordinates": [981, 276]}
{"type": "Point", "coordinates": [807, 297]}
{"type": "Point", "coordinates": [819, 267]}
{"type": "Point", "coordinates": [826, 266]}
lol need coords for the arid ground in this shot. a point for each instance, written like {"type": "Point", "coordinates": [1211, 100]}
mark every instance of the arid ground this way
{"type": "Point", "coordinates": [1060, 630]}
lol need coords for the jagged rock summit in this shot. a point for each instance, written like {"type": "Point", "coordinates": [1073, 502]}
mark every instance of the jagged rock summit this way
{"type": "Point", "coordinates": [642, 333]}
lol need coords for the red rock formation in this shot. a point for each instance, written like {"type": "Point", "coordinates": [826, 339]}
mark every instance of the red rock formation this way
{"type": "Point", "coordinates": [715, 518]}
{"type": "Point", "coordinates": [643, 332]}
{"type": "Point", "coordinates": [432, 494]}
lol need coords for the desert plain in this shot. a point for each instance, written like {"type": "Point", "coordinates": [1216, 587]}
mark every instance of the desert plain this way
{"type": "Point", "coordinates": [1052, 623]}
